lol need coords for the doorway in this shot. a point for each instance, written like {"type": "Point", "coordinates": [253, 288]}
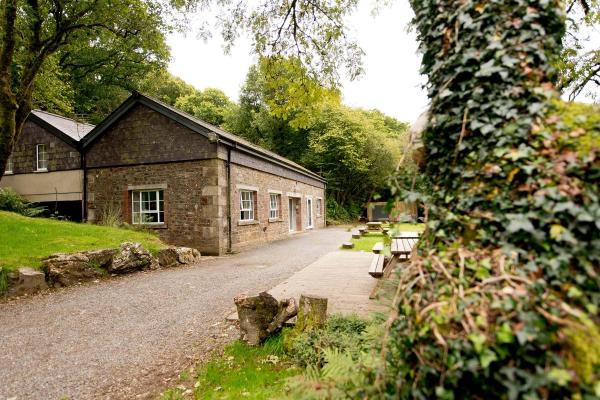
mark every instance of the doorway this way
{"type": "Point", "coordinates": [294, 214]}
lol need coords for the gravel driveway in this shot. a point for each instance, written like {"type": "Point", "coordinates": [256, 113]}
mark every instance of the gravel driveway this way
{"type": "Point", "coordinates": [126, 337]}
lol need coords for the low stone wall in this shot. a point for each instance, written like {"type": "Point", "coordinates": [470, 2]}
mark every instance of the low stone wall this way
{"type": "Point", "coordinates": [60, 270]}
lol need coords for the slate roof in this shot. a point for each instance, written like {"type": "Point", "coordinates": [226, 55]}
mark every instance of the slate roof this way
{"type": "Point", "coordinates": [73, 129]}
{"type": "Point", "coordinates": [192, 122]}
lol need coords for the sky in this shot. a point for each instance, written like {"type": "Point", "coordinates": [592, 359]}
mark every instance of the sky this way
{"type": "Point", "coordinates": [391, 82]}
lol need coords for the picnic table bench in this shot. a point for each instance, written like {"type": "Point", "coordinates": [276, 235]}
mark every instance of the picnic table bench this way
{"type": "Point", "coordinates": [378, 248]}
{"type": "Point", "coordinates": [377, 264]}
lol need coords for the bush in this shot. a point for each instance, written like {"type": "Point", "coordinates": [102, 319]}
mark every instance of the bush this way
{"type": "Point", "coordinates": [351, 335]}
{"type": "Point", "coordinates": [11, 201]}
{"type": "Point", "coordinates": [337, 214]}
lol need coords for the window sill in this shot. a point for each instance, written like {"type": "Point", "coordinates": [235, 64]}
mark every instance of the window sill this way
{"type": "Point", "coordinates": [37, 171]}
{"type": "Point", "coordinates": [8, 173]}
{"type": "Point", "coordinates": [151, 226]}
{"type": "Point", "coordinates": [275, 220]}
{"type": "Point", "coordinates": [252, 222]}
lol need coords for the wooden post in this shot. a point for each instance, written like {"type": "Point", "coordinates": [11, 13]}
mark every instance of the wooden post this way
{"type": "Point", "coordinates": [312, 313]}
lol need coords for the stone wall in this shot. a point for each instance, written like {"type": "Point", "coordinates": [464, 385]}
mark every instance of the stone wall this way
{"type": "Point", "coordinates": [192, 214]}
{"type": "Point", "coordinates": [246, 234]}
{"type": "Point", "coordinates": [144, 136]}
{"type": "Point", "coordinates": [61, 156]}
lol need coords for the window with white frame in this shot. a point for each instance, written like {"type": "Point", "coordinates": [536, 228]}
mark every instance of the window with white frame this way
{"type": "Point", "coordinates": [246, 205]}
{"type": "Point", "coordinates": [41, 157]}
{"type": "Point", "coordinates": [9, 166]}
{"type": "Point", "coordinates": [309, 213]}
{"type": "Point", "coordinates": [147, 207]}
{"type": "Point", "coordinates": [319, 207]}
{"type": "Point", "coordinates": [274, 205]}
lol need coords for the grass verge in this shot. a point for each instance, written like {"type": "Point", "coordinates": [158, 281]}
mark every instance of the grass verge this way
{"type": "Point", "coordinates": [25, 241]}
{"type": "Point", "coordinates": [242, 372]}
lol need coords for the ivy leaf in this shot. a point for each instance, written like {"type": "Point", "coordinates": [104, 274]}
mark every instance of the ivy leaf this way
{"type": "Point", "coordinates": [561, 376]}
{"type": "Point", "coordinates": [505, 334]}
{"type": "Point", "coordinates": [487, 358]}
{"type": "Point", "coordinates": [478, 341]}
{"type": "Point", "coordinates": [556, 230]}
{"type": "Point", "coordinates": [519, 222]}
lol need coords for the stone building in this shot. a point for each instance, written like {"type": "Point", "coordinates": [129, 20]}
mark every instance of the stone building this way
{"type": "Point", "coordinates": [46, 163]}
{"type": "Point", "coordinates": [150, 164]}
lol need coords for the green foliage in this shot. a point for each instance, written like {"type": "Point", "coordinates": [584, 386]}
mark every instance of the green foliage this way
{"type": "Point", "coordinates": [210, 105]}
{"type": "Point", "coordinates": [506, 283]}
{"type": "Point", "coordinates": [242, 372]}
{"type": "Point", "coordinates": [349, 334]}
{"type": "Point", "coordinates": [337, 214]}
{"type": "Point", "coordinates": [579, 64]}
{"type": "Point", "coordinates": [282, 109]}
{"type": "Point", "coordinates": [14, 202]}
{"type": "Point", "coordinates": [166, 87]}
{"type": "Point", "coordinates": [337, 358]}
{"type": "Point", "coordinates": [25, 241]}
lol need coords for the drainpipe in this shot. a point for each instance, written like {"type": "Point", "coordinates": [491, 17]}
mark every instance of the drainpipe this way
{"type": "Point", "coordinates": [84, 204]}
{"type": "Point", "coordinates": [229, 244]}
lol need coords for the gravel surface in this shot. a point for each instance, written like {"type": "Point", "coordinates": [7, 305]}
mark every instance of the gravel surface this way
{"type": "Point", "coordinates": [129, 337]}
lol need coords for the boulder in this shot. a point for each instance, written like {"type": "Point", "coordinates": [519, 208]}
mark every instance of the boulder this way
{"type": "Point", "coordinates": [168, 257]}
{"type": "Point", "coordinates": [173, 256]}
{"type": "Point", "coordinates": [187, 255]}
{"type": "Point", "coordinates": [69, 269]}
{"type": "Point", "coordinates": [131, 257]}
{"type": "Point", "coordinates": [26, 281]}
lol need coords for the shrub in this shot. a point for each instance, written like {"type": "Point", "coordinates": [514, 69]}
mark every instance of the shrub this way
{"type": "Point", "coordinates": [11, 201]}
{"type": "Point", "coordinates": [351, 335]}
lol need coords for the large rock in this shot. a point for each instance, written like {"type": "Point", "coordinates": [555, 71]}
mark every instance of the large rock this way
{"type": "Point", "coordinates": [173, 256]}
{"type": "Point", "coordinates": [131, 257]}
{"type": "Point", "coordinates": [168, 257]}
{"type": "Point", "coordinates": [26, 281]}
{"type": "Point", "coordinates": [69, 269]}
{"type": "Point", "coordinates": [187, 255]}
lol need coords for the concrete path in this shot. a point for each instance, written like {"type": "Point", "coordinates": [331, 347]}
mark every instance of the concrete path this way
{"type": "Point", "coordinates": [126, 337]}
{"type": "Point", "coordinates": [340, 276]}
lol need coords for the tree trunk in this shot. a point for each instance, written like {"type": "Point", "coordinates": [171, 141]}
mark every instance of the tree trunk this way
{"type": "Point", "coordinates": [262, 315]}
{"type": "Point", "coordinates": [312, 313]}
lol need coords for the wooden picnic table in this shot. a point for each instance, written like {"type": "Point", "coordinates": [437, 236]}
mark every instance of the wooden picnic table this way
{"type": "Point", "coordinates": [403, 246]}
{"type": "Point", "coordinates": [407, 235]}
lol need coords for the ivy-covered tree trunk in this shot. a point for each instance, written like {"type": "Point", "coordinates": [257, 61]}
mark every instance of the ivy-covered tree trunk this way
{"type": "Point", "coordinates": [507, 281]}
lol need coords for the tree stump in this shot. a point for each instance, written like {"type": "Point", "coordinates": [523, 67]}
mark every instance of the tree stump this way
{"type": "Point", "coordinates": [312, 313]}
{"type": "Point", "coordinates": [262, 315]}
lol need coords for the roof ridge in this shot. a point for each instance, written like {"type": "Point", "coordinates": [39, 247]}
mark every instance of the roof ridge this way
{"type": "Point", "coordinates": [62, 117]}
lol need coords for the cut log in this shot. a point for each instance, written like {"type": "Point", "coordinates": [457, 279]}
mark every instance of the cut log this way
{"type": "Point", "coordinates": [347, 245]}
{"type": "Point", "coordinates": [356, 235]}
{"type": "Point", "coordinates": [262, 315]}
{"type": "Point", "coordinates": [312, 313]}
{"type": "Point", "coordinates": [287, 310]}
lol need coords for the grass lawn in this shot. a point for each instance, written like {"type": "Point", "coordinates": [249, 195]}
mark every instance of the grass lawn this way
{"type": "Point", "coordinates": [24, 241]}
{"type": "Point", "coordinates": [242, 372]}
{"type": "Point", "coordinates": [368, 240]}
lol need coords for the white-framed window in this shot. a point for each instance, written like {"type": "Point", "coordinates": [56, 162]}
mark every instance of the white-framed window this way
{"type": "Point", "coordinates": [319, 207]}
{"type": "Point", "coordinates": [274, 205]}
{"type": "Point", "coordinates": [147, 207]}
{"type": "Point", "coordinates": [246, 205]}
{"type": "Point", "coordinates": [309, 213]}
{"type": "Point", "coordinates": [41, 157]}
{"type": "Point", "coordinates": [9, 166]}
